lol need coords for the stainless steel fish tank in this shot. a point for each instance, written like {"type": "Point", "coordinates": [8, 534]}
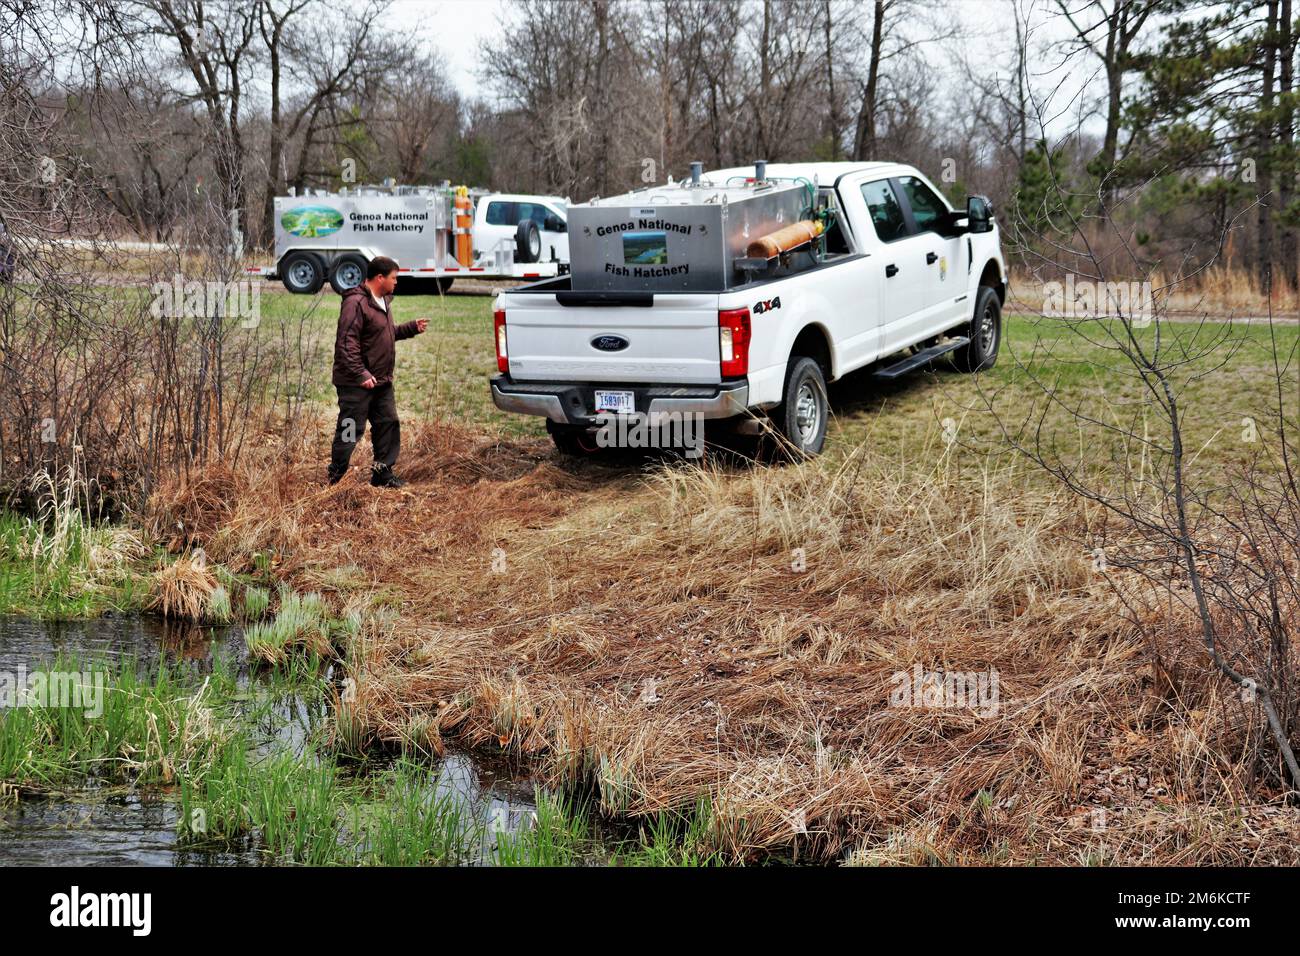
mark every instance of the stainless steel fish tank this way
{"type": "Point", "coordinates": [681, 237]}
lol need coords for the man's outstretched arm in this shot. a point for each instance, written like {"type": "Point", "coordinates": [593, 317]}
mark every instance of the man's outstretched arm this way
{"type": "Point", "coordinates": [408, 329]}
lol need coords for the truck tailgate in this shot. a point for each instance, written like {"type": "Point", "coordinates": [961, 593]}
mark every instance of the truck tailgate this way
{"type": "Point", "coordinates": [675, 342]}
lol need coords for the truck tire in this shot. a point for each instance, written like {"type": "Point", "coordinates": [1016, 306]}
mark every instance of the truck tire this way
{"type": "Point", "coordinates": [804, 410]}
{"type": "Point", "coordinates": [302, 272]}
{"type": "Point", "coordinates": [528, 242]}
{"type": "Point", "coordinates": [985, 331]}
{"type": "Point", "coordinates": [572, 440]}
{"type": "Point", "coordinates": [348, 272]}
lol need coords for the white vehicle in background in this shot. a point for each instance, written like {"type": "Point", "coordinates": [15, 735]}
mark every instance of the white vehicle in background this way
{"type": "Point", "coordinates": [502, 217]}
{"type": "Point", "coordinates": [433, 232]}
{"type": "Point", "coordinates": [741, 294]}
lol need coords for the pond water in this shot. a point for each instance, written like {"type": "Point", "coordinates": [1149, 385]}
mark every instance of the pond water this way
{"type": "Point", "coordinates": [124, 826]}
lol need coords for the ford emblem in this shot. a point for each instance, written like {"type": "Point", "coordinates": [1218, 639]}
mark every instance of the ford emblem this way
{"type": "Point", "coordinates": [609, 343]}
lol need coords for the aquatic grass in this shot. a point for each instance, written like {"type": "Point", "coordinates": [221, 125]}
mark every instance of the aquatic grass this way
{"type": "Point", "coordinates": [159, 730]}
{"type": "Point", "coordinates": [262, 644]}
{"type": "Point", "coordinates": [415, 824]}
{"type": "Point", "coordinates": [673, 839]}
{"type": "Point", "coordinates": [226, 578]}
{"type": "Point", "coordinates": [150, 731]}
{"type": "Point", "coordinates": [297, 809]}
{"type": "Point", "coordinates": [59, 564]}
{"type": "Point", "coordinates": [292, 805]}
{"type": "Point", "coordinates": [256, 602]}
{"type": "Point", "coordinates": [560, 834]}
{"type": "Point", "coordinates": [301, 622]}
{"type": "Point", "coordinates": [214, 805]}
{"type": "Point", "coordinates": [219, 609]}
{"type": "Point", "coordinates": [347, 629]}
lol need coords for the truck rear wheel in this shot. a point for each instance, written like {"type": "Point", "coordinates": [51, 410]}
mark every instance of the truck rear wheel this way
{"type": "Point", "coordinates": [348, 272]}
{"type": "Point", "coordinates": [985, 333]}
{"type": "Point", "coordinates": [528, 242]}
{"type": "Point", "coordinates": [302, 272]}
{"type": "Point", "coordinates": [803, 413]}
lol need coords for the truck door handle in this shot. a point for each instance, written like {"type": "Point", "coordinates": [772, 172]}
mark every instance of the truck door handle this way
{"type": "Point", "coordinates": [931, 258]}
{"type": "Point", "coordinates": [891, 270]}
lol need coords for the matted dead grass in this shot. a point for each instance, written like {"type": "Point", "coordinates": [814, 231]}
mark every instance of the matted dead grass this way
{"type": "Point", "coordinates": [660, 635]}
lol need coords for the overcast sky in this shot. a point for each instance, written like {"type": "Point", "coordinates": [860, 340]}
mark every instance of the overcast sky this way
{"type": "Point", "coordinates": [455, 29]}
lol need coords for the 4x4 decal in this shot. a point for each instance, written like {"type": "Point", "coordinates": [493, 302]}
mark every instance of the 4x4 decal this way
{"type": "Point", "coordinates": [766, 306]}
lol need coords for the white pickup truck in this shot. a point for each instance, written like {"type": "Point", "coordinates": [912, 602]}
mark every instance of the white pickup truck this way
{"type": "Point", "coordinates": [899, 278]}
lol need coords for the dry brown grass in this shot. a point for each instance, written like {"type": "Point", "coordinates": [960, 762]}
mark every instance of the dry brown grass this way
{"type": "Point", "coordinates": [1218, 292]}
{"type": "Point", "coordinates": [649, 634]}
{"type": "Point", "coordinates": [181, 589]}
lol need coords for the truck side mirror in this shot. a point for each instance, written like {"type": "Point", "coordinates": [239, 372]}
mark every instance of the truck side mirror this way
{"type": "Point", "coordinates": [979, 214]}
{"type": "Point", "coordinates": [555, 224]}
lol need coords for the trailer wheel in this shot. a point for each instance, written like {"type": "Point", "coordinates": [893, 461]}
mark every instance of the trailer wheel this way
{"type": "Point", "coordinates": [302, 272]}
{"type": "Point", "coordinates": [348, 272]}
{"type": "Point", "coordinates": [528, 242]}
{"type": "Point", "coordinates": [805, 409]}
{"type": "Point", "coordinates": [985, 331]}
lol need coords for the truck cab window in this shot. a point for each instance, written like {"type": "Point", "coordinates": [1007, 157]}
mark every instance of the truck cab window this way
{"type": "Point", "coordinates": [886, 213]}
{"type": "Point", "coordinates": [502, 214]}
{"type": "Point", "coordinates": [928, 209]}
{"type": "Point", "coordinates": [533, 211]}
{"type": "Point", "coordinates": [837, 242]}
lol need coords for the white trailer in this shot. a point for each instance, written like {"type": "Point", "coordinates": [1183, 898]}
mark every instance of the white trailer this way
{"type": "Point", "coordinates": [433, 232]}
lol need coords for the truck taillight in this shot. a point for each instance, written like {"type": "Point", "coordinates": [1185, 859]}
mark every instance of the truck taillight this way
{"type": "Point", "coordinates": [733, 341]}
{"type": "Point", "coordinates": [499, 331]}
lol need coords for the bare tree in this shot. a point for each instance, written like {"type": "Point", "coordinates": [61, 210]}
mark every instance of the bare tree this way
{"type": "Point", "coordinates": [214, 44]}
{"type": "Point", "coordinates": [1175, 535]}
{"type": "Point", "coordinates": [1107, 31]}
{"type": "Point", "coordinates": [898, 29]}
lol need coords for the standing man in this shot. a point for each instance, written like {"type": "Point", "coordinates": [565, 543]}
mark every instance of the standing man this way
{"type": "Point", "coordinates": [364, 356]}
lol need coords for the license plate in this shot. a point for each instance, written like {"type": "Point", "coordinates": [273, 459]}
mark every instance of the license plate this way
{"type": "Point", "coordinates": [624, 403]}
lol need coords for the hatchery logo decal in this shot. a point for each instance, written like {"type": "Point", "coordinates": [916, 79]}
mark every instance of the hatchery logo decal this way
{"type": "Point", "coordinates": [312, 222]}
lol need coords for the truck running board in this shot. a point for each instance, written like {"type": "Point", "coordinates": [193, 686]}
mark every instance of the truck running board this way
{"type": "Point", "coordinates": [923, 357]}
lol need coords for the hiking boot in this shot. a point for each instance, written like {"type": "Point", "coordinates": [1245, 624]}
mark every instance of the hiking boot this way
{"type": "Point", "coordinates": [381, 476]}
{"type": "Point", "coordinates": [336, 476]}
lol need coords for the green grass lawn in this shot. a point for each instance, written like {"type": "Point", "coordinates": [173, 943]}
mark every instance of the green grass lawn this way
{"type": "Point", "coordinates": [442, 373]}
{"type": "Point", "coordinates": [1227, 380]}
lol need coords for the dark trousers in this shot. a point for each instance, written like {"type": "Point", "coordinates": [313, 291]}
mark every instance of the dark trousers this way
{"type": "Point", "coordinates": [358, 405]}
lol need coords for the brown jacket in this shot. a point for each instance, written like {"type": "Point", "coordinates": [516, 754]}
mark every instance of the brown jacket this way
{"type": "Point", "coordinates": [365, 339]}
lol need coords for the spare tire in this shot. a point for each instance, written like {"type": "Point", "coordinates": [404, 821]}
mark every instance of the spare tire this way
{"type": "Point", "coordinates": [302, 272]}
{"type": "Point", "coordinates": [528, 241]}
{"type": "Point", "coordinates": [348, 272]}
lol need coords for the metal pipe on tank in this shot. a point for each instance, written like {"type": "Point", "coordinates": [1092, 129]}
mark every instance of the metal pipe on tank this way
{"type": "Point", "coordinates": [696, 169]}
{"type": "Point", "coordinates": [760, 170]}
